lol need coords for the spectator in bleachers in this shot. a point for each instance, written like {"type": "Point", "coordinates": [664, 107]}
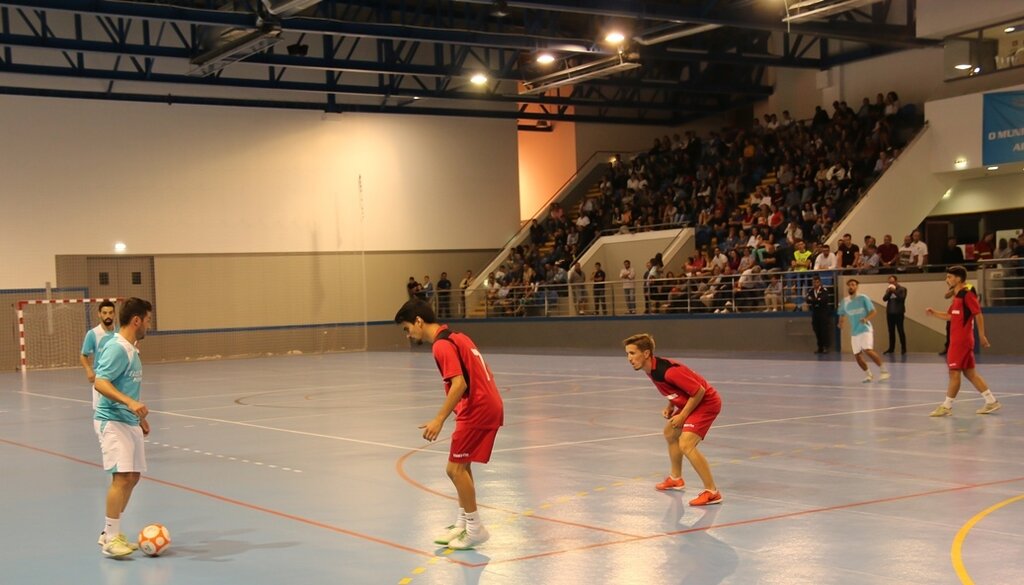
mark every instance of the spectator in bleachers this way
{"type": "Point", "coordinates": [984, 249]}
{"type": "Point", "coordinates": [463, 285]}
{"type": "Point", "coordinates": [628, 277]}
{"type": "Point", "coordinates": [825, 260]}
{"type": "Point", "coordinates": [908, 260]}
{"type": "Point", "coordinates": [773, 294]}
{"type": "Point", "coordinates": [920, 249]}
{"type": "Point", "coordinates": [869, 261]}
{"type": "Point", "coordinates": [578, 287]}
{"type": "Point", "coordinates": [427, 290]}
{"type": "Point", "coordinates": [600, 297]}
{"type": "Point", "coordinates": [888, 254]}
{"type": "Point", "coordinates": [412, 288]}
{"type": "Point", "coordinates": [444, 288]}
{"type": "Point", "coordinates": [848, 252]}
{"type": "Point", "coordinates": [768, 257]}
{"type": "Point", "coordinates": [953, 255]}
{"type": "Point", "coordinates": [1003, 251]}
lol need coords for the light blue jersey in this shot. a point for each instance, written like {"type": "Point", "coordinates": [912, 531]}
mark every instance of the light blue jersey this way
{"type": "Point", "coordinates": [119, 363]}
{"type": "Point", "coordinates": [96, 338]}
{"type": "Point", "coordinates": [855, 309]}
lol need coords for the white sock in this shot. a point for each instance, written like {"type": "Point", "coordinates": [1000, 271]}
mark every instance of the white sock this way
{"type": "Point", "coordinates": [473, 522]}
{"type": "Point", "coordinates": [460, 522]}
{"type": "Point", "coordinates": [987, 395]}
{"type": "Point", "coordinates": [112, 527]}
{"type": "Point", "coordinates": [948, 402]}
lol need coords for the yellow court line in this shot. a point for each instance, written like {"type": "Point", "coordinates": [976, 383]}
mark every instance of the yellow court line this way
{"type": "Point", "coordinates": [957, 554]}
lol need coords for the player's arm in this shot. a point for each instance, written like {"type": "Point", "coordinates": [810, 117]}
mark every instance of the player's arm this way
{"type": "Point", "coordinates": [937, 314]}
{"type": "Point", "coordinates": [691, 405]}
{"type": "Point", "coordinates": [433, 428]}
{"type": "Point", "coordinates": [871, 313]}
{"type": "Point", "coordinates": [980, 320]}
{"type": "Point", "coordinates": [971, 300]}
{"type": "Point", "coordinates": [89, 373]}
{"type": "Point", "coordinates": [104, 387]}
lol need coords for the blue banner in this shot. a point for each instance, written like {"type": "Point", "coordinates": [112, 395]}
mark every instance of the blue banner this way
{"type": "Point", "coordinates": [1003, 124]}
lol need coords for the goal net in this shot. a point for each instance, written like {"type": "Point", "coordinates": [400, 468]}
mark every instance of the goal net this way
{"type": "Point", "coordinates": [51, 331]}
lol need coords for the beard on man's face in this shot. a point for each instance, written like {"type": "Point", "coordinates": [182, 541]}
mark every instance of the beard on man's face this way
{"type": "Point", "coordinates": [108, 322]}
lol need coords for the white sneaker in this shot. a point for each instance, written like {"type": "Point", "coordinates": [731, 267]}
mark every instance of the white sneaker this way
{"type": "Point", "coordinates": [102, 541]}
{"type": "Point", "coordinates": [867, 379]}
{"type": "Point", "coordinates": [117, 547]}
{"type": "Point", "coordinates": [450, 533]}
{"type": "Point", "coordinates": [884, 376]}
{"type": "Point", "coordinates": [467, 541]}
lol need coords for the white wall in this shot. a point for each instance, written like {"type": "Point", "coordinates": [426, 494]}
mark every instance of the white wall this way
{"type": "Point", "coordinates": [940, 18]}
{"type": "Point", "coordinates": [914, 75]}
{"type": "Point", "coordinates": [79, 175]}
{"type": "Point", "coordinates": [957, 124]}
{"type": "Point", "coordinates": [983, 195]}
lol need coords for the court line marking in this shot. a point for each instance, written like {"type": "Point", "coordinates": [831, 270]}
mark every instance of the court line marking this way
{"type": "Point", "coordinates": [782, 516]}
{"type": "Point", "coordinates": [244, 504]}
{"type": "Point", "coordinates": [722, 426]}
{"type": "Point", "coordinates": [956, 551]}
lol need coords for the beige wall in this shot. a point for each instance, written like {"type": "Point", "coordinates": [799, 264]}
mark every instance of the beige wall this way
{"type": "Point", "coordinates": [546, 161]}
{"type": "Point", "coordinates": [983, 195]}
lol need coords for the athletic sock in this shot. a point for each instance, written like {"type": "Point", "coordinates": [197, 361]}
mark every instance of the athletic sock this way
{"type": "Point", "coordinates": [460, 522]}
{"type": "Point", "coordinates": [112, 527]}
{"type": "Point", "coordinates": [473, 522]}
{"type": "Point", "coordinates": [987, 395]}
{"type": "Point", "coordinates": [948, 402]}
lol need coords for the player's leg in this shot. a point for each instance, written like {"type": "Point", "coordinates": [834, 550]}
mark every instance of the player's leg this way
{"type": "Point", "coordinates": [471, 445]}
{"type": "Point", "coordinates": [952, 389]}
{"type": "Point", "coordinates": [890, 325]}
{"type": "Point", "coordinates": [688, 442]}
{"type": "Point", "coordinates": [674, 481]}
{"type": "Point", "coordinates": [991, 404]}
{"type": "Point", "coordinates": [902, 333]}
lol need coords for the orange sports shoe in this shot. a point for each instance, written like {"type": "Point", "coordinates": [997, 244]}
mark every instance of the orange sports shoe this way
{"type": "Point", "coordinates": [706, 498]}
{"type": "Point", "coordinates": [670, 484]}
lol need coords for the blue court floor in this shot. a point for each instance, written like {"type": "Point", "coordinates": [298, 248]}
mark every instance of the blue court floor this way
{"type": "Point", "coordinates": [311, 469]}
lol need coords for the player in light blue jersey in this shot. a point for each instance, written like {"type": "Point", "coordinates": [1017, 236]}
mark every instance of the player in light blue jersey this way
{"type": "Point", "coordinates": [95, 339]}
{"type": "Point", "coordinates": [120, 419]}
{"type": "Point", "coordinates": [858, 309]}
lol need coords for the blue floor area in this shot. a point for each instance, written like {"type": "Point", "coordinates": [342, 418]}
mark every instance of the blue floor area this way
{"type": "Point", "coordinates": [311, 469]}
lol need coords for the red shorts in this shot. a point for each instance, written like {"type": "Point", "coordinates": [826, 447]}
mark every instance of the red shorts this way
{"type": "Point", "coordinates": [700, 419]}
{"type": "Point", "coordinates": [960, 357]}
{"type": "Point", "coordinates": [471, 445]}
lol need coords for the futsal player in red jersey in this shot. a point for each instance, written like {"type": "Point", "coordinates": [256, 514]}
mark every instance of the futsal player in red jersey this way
{"type": "Point", "coordinates": [693, 405]}
{"type": "Point", "coordinates": [962, 314]}
{"type": "Point", "coordinates": [471, 393]}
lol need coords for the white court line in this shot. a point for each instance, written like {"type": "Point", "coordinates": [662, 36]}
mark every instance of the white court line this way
{"type": "Point", "coordinates": [732, 425]}
{"type": "Point", "coordinates": [531, 447]}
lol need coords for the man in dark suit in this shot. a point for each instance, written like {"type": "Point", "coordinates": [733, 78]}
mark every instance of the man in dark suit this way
{"type": "Point", "coordinates": [895, 310]}
{"type": "Point", "coordinates": [819, 300]}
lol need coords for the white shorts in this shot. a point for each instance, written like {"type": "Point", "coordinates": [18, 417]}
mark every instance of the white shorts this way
{"type": "Point", "coordinates": [862, 341]}
{"type": "Point", "coordinates": [122, 445]}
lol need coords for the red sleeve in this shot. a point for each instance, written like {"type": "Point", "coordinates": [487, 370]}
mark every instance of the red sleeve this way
{"type": "Point", "coordinates": [971, 302]}
{"type": "Point", "coordinates": [684, 379]}
{"type": "Point", "coordinates": [447, 358]}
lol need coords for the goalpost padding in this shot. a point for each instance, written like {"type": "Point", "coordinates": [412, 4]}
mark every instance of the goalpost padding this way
{"type": "Point", "coordinates": [64, 332]}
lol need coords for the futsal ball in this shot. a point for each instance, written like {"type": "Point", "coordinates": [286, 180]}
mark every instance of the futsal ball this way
{"type": "Point", "coordinates": [154, 539]}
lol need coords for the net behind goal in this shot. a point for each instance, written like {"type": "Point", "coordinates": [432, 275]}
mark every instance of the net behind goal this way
{"type": "Point", "coordinates": [51, 331]}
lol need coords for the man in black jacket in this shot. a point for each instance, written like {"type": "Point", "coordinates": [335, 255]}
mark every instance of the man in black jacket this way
{"type": "Point", "coordinates": [895, 310]}
{"type": "Point", "coordinates": [819, 300]}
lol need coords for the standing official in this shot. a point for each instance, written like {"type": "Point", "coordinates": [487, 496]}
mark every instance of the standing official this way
{"type": "Point", "coordinates": [819, 300]}
{"type": "Point", "coordinates": [895, 298]}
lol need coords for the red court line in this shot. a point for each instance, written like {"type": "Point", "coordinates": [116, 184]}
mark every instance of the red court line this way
{"type": "Point", "coordinates": [762, 519]}
{"type": "Point", "coordinates": [255, 507]}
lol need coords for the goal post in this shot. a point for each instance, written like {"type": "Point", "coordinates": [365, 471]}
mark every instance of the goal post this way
{"type": "Point", "coordinates": [50, 331]}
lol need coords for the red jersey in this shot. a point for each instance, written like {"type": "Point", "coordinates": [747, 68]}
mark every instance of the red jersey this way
{"type": "Point", "coordinates": [678, 383]}
{"type": "Point", "coordinates": [961, 317]}
{"type": "Point", "coordinates": [457, 355]}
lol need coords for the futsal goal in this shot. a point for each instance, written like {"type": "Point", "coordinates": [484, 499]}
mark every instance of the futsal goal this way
{"type": "Point", "coordinates": [50, 331]}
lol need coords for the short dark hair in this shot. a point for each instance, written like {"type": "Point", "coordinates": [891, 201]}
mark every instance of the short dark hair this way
{"type": "Point", "coordinates": [816, 277]}
{"type": "Point", "coordinates": [107, 303]}
{"type": "Point", "coordinates": [853, 280]}
{"type": "Point", "coordinates": [415, 308]}
{"type": "Point", "coordinates": [958, 271]}
{"type": "Point", "coordinates": [134, 307]}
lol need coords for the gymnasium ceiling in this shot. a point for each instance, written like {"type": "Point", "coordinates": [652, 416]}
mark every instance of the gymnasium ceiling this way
{"type": "Point", "coordinates": [680, 60]}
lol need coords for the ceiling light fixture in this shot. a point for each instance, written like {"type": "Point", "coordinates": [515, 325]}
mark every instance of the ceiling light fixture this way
{"type": "Point", "coordinates": [993, 168]}
{"type": "Point", "coordinates": [615, 37]}
{"type": "Point", "coordinates": [963, 66]}
{"type": "Point", "coordinates": [573, 75]}
{"type": "Point", "coordinates": [478, 79]}
{"type": "Point", "coordinates": [545, 58]}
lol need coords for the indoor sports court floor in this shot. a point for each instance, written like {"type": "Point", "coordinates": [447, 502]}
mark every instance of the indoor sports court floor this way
{"type": "Point", "coordinates": [311, 470]}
